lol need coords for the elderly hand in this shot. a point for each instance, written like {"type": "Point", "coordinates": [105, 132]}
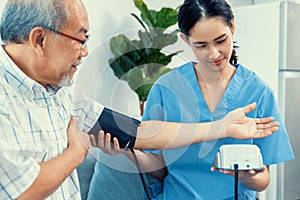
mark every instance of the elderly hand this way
{"type": "Point", "coordinates": [77, 140]}
{"type": "Point", "coordinates": [105, 144]}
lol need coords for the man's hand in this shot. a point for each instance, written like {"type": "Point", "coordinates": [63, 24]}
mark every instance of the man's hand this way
{"type": "Point", "coordinates": [105, 144]}
{"type": "Point", "coordinates": [77, 140]}
{"type": "Point", "coordinates": [54, 172]}
{"type": "Point", "coordinates": [238, 126]}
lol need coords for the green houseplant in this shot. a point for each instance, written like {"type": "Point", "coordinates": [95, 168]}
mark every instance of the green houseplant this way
{"type": "Point", "coordinates": [141, 61]}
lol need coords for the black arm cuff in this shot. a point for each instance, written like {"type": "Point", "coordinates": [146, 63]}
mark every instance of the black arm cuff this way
{"type": "Point", "coordinates": [123, 127]}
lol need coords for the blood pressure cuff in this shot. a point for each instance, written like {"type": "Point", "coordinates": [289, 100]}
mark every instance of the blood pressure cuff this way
{"type": "Point", "coordinates": [123, 127]}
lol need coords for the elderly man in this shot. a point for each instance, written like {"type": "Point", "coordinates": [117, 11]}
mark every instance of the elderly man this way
{"type": "Point", "coordinates": [41, 144]}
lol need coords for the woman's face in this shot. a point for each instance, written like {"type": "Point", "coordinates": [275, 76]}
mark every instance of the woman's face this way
{"type": "Point", "coordinates": [211, 41]}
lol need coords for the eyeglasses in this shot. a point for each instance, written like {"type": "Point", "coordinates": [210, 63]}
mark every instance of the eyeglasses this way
{"type": "Point", "coordinates": [82, 42]}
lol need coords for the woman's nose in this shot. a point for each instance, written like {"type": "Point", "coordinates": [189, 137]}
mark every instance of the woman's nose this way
{"type": "Point", "coordinates": [213, 53]}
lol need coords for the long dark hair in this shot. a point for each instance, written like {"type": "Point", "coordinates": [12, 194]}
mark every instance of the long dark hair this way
{"type": "Point", "coordinates": [192, 11]}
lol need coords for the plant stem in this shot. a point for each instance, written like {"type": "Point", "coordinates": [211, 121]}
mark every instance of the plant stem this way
{"type": "Point", "coordinates": [142, 107]}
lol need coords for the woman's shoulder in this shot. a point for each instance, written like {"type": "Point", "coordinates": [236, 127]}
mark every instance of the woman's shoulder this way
{"type": "Point", "coordinates": [182, 69]}
{"type": "Point", "coordinates": [247, 73]}
{"type": "Point", "coordinates": [244, 71]}
{"type": "Point", "coordinates": [250, 77]}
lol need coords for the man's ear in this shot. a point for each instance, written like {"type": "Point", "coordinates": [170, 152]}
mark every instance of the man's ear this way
{"type": "Point", "coordinates": [37, 40]}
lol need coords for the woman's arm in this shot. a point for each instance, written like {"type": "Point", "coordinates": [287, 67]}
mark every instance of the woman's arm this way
{"type": "Point", "coordinates": [166, 135]}
{"type": "Point", "coordinates": [150, 163]}
{"type": "Point", "coordinates": [153, 164]}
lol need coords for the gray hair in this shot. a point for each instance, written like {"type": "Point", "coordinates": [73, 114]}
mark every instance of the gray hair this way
{"type": "Point", "coordinates": [19, 17]}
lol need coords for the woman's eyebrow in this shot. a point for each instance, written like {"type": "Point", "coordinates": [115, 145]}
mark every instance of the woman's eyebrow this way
{"type": "Point", "coordinates": [221, 36]}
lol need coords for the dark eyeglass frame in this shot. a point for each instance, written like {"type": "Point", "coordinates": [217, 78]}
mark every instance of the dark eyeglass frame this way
{"type": "Point", "coordinates": [82, 42]}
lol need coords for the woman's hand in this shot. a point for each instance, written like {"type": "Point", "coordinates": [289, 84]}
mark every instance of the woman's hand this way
{"type": "Point", "coordinates": [238, 126]}
{"type": "Point", "coordinates": [256, 180]}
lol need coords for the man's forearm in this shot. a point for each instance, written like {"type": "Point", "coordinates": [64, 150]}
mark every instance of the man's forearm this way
{"type": "Point", "coordinates": [52, 174]}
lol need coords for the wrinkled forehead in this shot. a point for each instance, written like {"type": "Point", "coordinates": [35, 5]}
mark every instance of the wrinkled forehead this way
{"type": "Point", "coordinates": [78, 17]}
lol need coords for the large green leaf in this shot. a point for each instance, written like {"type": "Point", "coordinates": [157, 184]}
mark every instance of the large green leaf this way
{"type": "Point", "coordinates": [146, 85]}
{"type": "Point", "coordinates": [143, 91]}
{"type": "Point", "coordinates": [142, 85]}
{"type": "Point", "coordinates": [146, 14]}
{"type": "Point", "coordinates": [122, 64]}
{"type": "Point", "coordinates": [134, 77]}
{"type": "Point", "coordinates": [165, 39]}
{"type": "Point", "coordinates": [151, 59]}
{"type": "Point", "coordinates": [141, 62]}
{"type": "Point", "coordinates": [165, 18]}
{"type": "Point", "coordinates": [120, 45]}
{"type": "Point", "coordinates": [146, 40]}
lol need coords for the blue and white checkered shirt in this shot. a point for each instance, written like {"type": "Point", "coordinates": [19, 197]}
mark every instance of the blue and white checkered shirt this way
{"type": "Point", "coordinates": [33, 124]}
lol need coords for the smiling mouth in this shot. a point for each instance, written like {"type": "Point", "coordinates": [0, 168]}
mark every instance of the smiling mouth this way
{"type": "Point", "coordinates": [218, 62]}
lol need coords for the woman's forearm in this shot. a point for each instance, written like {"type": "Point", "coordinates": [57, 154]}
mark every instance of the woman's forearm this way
{"type": "Point", "coordinates": [152, 164]}
{"type": "Point", "coordinates": [166, 135]}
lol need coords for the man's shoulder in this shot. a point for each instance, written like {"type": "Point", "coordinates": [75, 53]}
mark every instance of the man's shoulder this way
{"type": "Point", "coordinates": [6, 94]}
{"type": "Point", "coordinates": [4, 87]}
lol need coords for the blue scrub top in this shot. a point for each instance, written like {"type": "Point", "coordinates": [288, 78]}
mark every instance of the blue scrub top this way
{"type": "Point", "coordinates": [177, 97]}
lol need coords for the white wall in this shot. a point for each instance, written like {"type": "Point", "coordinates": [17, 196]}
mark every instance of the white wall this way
{"type": "Point", "coordinates": [236, 3]}
{"type": "Point", "coordinates": [106, 20]}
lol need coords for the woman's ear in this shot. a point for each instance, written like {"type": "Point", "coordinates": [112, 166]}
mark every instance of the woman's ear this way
{"type": "Point", "coordinates": [185, 38]}
{"type": "Point", "coordinates": [232, 26]}
{"type": "Point", "coordinates": [36, 40]}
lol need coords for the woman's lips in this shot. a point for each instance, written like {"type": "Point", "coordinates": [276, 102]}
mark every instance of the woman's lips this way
{"type": "Point", "coordinates": [218, 62]}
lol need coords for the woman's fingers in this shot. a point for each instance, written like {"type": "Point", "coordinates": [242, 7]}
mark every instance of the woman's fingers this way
{"type": "Point", "coordinates": [273, 126]}
{"type": "Point", "coordinates": [249, 108]}
{"type": "Point", "coordinates": [264, 120]}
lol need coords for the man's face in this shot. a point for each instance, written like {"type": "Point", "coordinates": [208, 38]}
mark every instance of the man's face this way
{"type": "Point", "coordinates": [63, 54]}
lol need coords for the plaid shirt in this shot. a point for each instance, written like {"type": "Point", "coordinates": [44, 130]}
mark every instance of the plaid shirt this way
{"type": "Point", "coordinates": [33, 124]}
